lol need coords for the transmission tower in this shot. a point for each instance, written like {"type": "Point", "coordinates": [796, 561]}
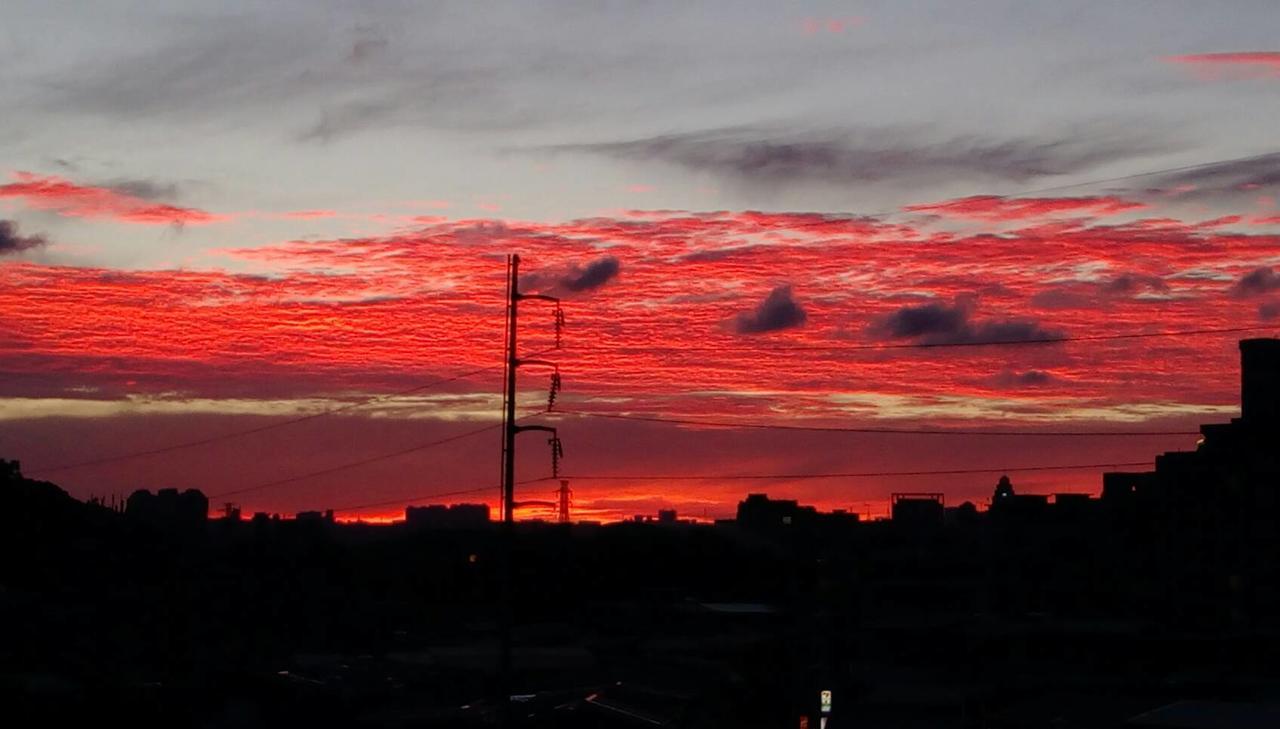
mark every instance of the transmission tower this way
{"type": "Point", "coordinates": [509, 431]}
{"type": "Point", "coordinates": [563, 496]}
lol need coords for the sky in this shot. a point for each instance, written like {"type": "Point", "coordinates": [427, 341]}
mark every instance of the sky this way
{"type": "Point", "coordinates": [217, 219]}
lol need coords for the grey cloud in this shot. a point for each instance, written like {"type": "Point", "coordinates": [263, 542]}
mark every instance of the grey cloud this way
{"type": "Point", "coordinates": [1269, 310]}
{"type": "Point", "coordinates": [576, 279]}
{"type": "Point", "coordinates": [593, 276]}
{"type": "Point", "coordinates": [1130, 283]}
{"type": "Point", "coordinates": [778, 311]}
{"type": "Point", "coordinates": [261, 68]}
{"type": "Point", "coordinates": [938, 323]}
{"type": "Point", "coordinates": [1258, 281]}
{"type": "Point", "coordinates": [1082, 295]}
{"type": "Point", "coordinates": [419, 65]}
{"type": "Point", "coordinates": [144, 188]}
{"type": "Point", "coordinates": [1232, 176]}
{"type": "Point", "coordinates": [763, 156]}
{"type": "Point", "coordinates": [12, 242]}
{"type": "Point", "coordinates": [1030, 378]}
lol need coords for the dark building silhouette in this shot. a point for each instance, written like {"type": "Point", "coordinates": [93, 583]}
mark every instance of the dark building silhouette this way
{"type": "Point", "coordinates": [315, 517]}
{"type": "Point", "coordinates": [169, 508]}
{"type": "Point", "coordinates": [1007, 503]}
{"type": "Point", "coordinates": [1004, 491]}
{"type": "Point", "coordinates": [758, 511]}
{"type": "Point", "coordinates": [1260, 382]}
{"type": "Point", "coordinates": [439, 516]}
{"type": "Point", "coordinates": [1206, 520]}
{"type": "Point", "coordinates": [918, 509]}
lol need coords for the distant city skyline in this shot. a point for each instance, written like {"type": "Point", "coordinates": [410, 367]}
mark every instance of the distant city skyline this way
{"type": "Point", "coordinates": [216, 218]}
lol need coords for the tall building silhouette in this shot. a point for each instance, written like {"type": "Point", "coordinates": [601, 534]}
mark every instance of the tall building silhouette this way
{"type": "Point", "coordinates": [1208, 520]}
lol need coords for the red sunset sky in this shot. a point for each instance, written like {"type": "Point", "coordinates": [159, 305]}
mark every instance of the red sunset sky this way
{"type": "Point", "coordinates": [238, 272]}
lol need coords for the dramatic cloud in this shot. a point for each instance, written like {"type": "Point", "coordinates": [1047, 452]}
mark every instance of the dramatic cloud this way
{"type": "Point", "coordinates": [996, 208]}
{"type": "Point", "coordinates": [778, 311]}
{"type": "Point", "coordinates": [761, 156]}
{"type": "Point", "coordinates": [56, 194]}
{"type": "Point", "coordinates": [592, 276]}
{"type": "Point", "coordinates": [12, 242]}
{"type": "Point", "coordinates": [573, 278]}
{"type": "Point", "coordinates": [1248, 64]}
{"type": "Point", "coordinates": [938, 323]}
{"type": "Point", "coordinates": [1259, 281]}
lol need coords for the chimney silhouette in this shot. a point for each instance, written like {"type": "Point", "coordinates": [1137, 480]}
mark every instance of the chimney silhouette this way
{"type": "Point", "coordinates": [1260, 381]}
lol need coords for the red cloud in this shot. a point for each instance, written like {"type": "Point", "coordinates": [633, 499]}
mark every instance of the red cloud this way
{"type": "Point", "coordinates": [46, 192]}
{"type": "Point", "coordinates": [995, 207]}
{"type": "Point", "coordinates": [384, 314]}
{"type": "Point", "coordinates": [1250, 64]}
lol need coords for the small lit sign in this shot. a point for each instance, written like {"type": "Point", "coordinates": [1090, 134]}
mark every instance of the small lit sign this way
{"type": "Point", "coordinates": [825, 698]}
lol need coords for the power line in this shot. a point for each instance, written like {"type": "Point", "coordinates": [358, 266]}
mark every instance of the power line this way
{"type": "Point", "coordinates": [416, 499]}
{"type": "Point", "coordinates": [856, 474]}
{"type": "Point", "coordinates": [263, 428]}
{"type": "Point", "coordinates": [355, 464]}
{"type": "Point", "coordinates": [878, 431]}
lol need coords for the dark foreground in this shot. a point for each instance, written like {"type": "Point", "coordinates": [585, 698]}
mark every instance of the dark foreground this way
{"type": "Point", "coordinates": [973, 623]}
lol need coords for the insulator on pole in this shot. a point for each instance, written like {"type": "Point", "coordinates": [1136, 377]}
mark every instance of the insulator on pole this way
{"type": "Point", "coordinates": [555, 389]}
{"type": "Point", "coordinates": [557, 452]}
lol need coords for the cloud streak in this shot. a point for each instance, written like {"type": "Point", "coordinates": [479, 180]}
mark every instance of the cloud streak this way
{"type": "Point", "coordinates": [766, 157]}
{"type": "Point", "coordinates": [69, 199]}
{"type": "Point", "coordinates": [1222, 66]}
{"type": "Point", "coordinates": [998, 208]}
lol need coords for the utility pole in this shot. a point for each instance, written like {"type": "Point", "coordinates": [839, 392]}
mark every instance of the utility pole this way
{"type": "Point", "coordinates": [510, 430]}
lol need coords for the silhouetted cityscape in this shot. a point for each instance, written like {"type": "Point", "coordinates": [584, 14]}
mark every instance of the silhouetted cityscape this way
{"type": "Point", "coordinates": [1153, 604]}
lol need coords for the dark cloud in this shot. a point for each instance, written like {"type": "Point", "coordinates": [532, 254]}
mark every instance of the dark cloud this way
{"type": "Point", "coordinates": [1088, 295]}
{"type": "Point", "coordinates": [1239, 175]}
{"type": "Point", "coordinates": [575, 279]}
{"type": "Point", "coordinates": [593, 276]}
{"type": "Point", "coordinates": [12, 242]}
{"type": "Point", "coordinates": [778, 311]}
{"type": "Point", "coordinates": [143, 189]}
{"type": "Point", "coordinates": [938, 323]}
{"type": "Point", "coordinates": [766, 157]}
{"type": "Point", "coordinates": [1132, 283]}
{"type": "Point", "coordinates": [1258, 281]}
{"type": "Point", "coordinates": [923, 320]}
{"type": "Point", "coordinates": [1269, 310]}
{"type": "Point", "coordinates": [256, 68]}
{"type": "Point", "coordinates": [1013, 379]}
